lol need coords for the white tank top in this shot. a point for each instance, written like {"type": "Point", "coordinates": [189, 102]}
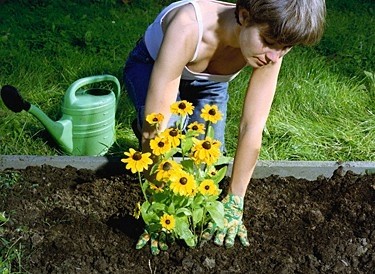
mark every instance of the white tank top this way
{"type": "Point", "coordinates": [154, 37]}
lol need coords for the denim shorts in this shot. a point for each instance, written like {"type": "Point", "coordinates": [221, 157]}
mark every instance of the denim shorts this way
{"type": "Point", "coordinates": [137, 73]}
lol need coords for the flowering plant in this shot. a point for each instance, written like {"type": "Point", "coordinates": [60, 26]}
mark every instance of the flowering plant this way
{"type": "Point", "coordinates": [182, 197]}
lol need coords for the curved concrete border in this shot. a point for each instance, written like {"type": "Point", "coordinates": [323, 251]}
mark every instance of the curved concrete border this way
{"type": "Point", "coordinates": [309, 170]}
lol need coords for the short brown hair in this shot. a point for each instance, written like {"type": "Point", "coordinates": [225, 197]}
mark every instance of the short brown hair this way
{"type": "Point", "coordinates": [288, 22]}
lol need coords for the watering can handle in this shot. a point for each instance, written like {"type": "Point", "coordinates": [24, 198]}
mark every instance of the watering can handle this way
{"type": "Point", "coordinates": [70, 94]}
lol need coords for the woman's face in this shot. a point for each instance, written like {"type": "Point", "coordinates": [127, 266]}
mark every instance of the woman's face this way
{"type": "Point", "coordinates": [257, 50]}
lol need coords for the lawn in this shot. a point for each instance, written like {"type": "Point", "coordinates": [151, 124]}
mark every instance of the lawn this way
{"type": "Point", "coordinates": [323, 109]}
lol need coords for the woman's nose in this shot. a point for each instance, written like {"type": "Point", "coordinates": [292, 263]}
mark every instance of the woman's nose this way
{"type": "Point", "coordinates": [274, 55]}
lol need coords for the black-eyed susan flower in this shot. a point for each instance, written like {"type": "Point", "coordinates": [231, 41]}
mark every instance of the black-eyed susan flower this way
{"type": "Point", "coordinates": [182, 183]}
{"type": "Point", "coordinates": [173, 135]}
{"type": "Point", "coordinates": [154, 119]}
{"type": "Point", "coordinates": [197, 127]}
{"type": "Point", "coordinates": [212, 171]}
{"type": "Point", "coordinates": [182, 108]}
{"type": "Point", "coordinates": [160, 145]}
{"type": "Point", "coordinates": [206, 151]}
{"type": "Point", "coordinates": [208, 187]}
{"type": "Point", "coordinates": [166, 168]}
{"type": "Point", "coordinates": [168, 221]}
{"type": "Point", "coordinates": [137, 161]}
{"type": "Point", "coordinates": [211, 113]}
{"type": "Point", "coordinates": [156, 188]}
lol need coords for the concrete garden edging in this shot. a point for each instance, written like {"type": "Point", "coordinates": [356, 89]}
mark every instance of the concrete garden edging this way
{"type": "Point", "coordinates": [309, 170]}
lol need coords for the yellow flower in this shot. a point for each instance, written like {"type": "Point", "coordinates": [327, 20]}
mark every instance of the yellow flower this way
{"type": "Point", "coordinates": [182, 183]}
{"type": "Point", "coordinates": [205, 151]}
{"type": "Point", "coordinates": [208, 187]}
{"type": "Point", "coordinates": [173, 135]}
{"type": "Point", "coordinates": [212, 171]}
{"type": "Point", "coordinates": [160, 145]}
{"type": "Point", "coordinates": [167, 221]}
{"type": "Point", "coordinates": [165, 169]}
{"type": "Point", "coordinates": [137, 161]}
{"type": "Point", "coordinates": [211, 113]}
{"type": "Point", "coordinates": [137, 210]}
{"type": "Point", "coordinates": [155, 119]}
{"type": "Point", "coordinates": [197, 127]}
{"type": "Point", "coordinates": [193, 192]}
{"type": "Point", "coordinates": [182, 108]}
{"type": "Point", "coordinates": [156, 188]}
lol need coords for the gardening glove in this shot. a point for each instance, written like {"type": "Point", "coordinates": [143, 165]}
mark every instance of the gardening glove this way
{"type": "Point", "coordinates": [233, 226]}
{"type": "Point", "coordinates": [158, 241]}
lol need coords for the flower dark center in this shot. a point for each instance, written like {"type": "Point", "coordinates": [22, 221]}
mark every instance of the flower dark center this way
{"type": "Point", "coordinates": [195, 127]}
{"type": "Point", "coordinates": [161, 144]}
{"type": "Point", "coordinates": [183, 181]}
{"type": "Point", "coordinates": [137, 156]}
{"type": "Point", "coordinates": [206, 145]}
{"type": "Point", "coordinates": [207, 187]}
{"type": "Point", "coordinates": [212, 112]}
{"type": "Point", "coordinates": [173, 133]}
{"type": "Point", "coordinates": [181, 106]}
{"type": "Point", "coordinates": [167, 222]}
{"type": "Point", "coordinates": [167, 166]}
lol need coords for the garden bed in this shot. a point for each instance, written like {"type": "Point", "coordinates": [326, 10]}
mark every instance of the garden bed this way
{"type": "Point", "coordinates": [79, 220]}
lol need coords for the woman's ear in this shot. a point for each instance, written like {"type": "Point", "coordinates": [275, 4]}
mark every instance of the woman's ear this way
{"type": "Point", "coordinates": [243, 17]}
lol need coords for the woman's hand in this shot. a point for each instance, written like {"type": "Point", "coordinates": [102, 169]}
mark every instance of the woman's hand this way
{"type": "Point", "coordinates": [233, 225]}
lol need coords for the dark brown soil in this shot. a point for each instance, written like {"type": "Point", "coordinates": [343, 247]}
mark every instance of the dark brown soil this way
{"type": "Point", "coordinates": [74, 221]}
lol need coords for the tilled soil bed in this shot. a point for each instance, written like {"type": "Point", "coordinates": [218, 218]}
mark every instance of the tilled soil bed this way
{"type": "Point", "coordinates": [75, 221]}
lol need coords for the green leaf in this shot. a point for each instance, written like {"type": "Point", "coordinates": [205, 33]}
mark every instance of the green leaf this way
{"type": "Point", "coordinates": [154, 227]}
{"type": "Point", "coordinates": [171, 209]}
{"type": "Point", "coordinates": [223, 160]}
{"type": "Point", "coordinates": [220, 174]}
{"type": "Point", "coordinates": [148, 216]}
{"type": "Point", "coordinates": [186, 144]}
{"type": "Point", "coordinates": [144, 207]}
{"type": "Point", "coordinates": [157, 207]}
{"type": "Point", "coordinates": [181, 201]}
{"type": "Point", "coordinates": [170, 153]}
{"type": "Point", "coordinates": [154, 167]}
{"type": "Point", "coordinates": [188, 165]}
{"type": "Point", "coordinates": [198, 201]}
{"type": "Point", "coordinates": [3, 219]}
{"type": "Point", "coordinates": [216, 211]}
{"type": "Point", "coordinates": [161, 197]}
{"type": "Point", "coordinates": [197, 215]}
{"type": "Point", "coordinates": [145, 186]}
{"type": "Point", "coordinates": [192, 241]}
{"type": "Point", "coordinates": [210, 131]}
{"type": "Point", "coordinates": [184, 211]}
{"type": "Point", "coordinates": [182, 228]}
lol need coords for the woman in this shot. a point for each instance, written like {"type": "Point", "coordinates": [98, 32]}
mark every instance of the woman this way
{"type": "Point", "coordinates": [194, 48]}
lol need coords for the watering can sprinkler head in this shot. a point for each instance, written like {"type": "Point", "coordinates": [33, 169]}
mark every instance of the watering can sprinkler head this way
{"type": "Point", "coordinates": [61, 131]}
{"type": "Point", "coordinates": [13, 99]}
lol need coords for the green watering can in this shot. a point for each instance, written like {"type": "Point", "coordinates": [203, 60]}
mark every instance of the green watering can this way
{"type": "Point", "coordinates": [87, 125]}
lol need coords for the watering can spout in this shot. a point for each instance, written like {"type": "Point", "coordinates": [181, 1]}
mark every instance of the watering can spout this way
{"type": "Point", "coordinates": [87, 126]}
{"type": "Point", "coordinates": [61, 131]}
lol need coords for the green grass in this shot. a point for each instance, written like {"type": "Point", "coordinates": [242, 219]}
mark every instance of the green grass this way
{"type": "Point", "coordinates": [10, 247]}
{"type": "Point", "coordinates": [323, 110]}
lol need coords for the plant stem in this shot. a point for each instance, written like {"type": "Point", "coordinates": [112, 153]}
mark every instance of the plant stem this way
{"type": "Point", "coordinates": [203, 220]}
{"type": "Point", "coordinates": [140, 182]}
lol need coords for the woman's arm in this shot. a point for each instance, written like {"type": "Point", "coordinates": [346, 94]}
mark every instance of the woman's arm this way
{"type": "Point", "coordinates": [258, 101]}
{"type": "Point", "coordinates": [177, 49]}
